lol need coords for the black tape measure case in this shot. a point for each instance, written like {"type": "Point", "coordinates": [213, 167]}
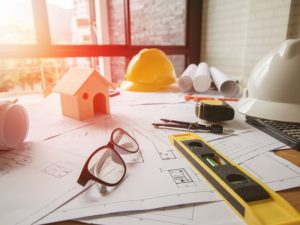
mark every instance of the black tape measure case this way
{"type": "Point", "coordinates": [214, 110]}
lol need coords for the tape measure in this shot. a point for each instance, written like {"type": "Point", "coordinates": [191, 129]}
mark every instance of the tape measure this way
{"type": "Point", "coordinates": [252, 200]}
{"type": "Point", "coordinates": [214, 110]}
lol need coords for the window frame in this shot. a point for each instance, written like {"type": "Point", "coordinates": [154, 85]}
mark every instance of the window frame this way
{"type": "Point", "coordinates": [45, 49]}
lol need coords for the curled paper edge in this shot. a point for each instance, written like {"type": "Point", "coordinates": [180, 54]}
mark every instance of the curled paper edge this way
{"type": "Point", "coordinates": [224, 84]}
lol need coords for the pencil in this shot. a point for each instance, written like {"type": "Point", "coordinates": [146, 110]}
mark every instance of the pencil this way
{"type": "Point", "coordinates": [196, 98]}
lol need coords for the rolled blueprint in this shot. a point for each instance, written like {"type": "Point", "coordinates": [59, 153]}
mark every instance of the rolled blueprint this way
{"type": "Point", "coordinates": [201, 79]}
{"type": "Point", "coordinates": [185, 81]}
{"type": "Point", "coordinates": [13, 125]}
{"type": "Point", "coordinates": [224, 84]}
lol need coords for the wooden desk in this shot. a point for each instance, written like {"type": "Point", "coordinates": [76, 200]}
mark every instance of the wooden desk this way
{"type": "Point", "coordinates": [291, 195]}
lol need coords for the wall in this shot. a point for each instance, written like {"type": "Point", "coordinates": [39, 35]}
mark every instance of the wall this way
{"type": "Point", "coordinates": [294, 20]}
{"type": "Point", "coordinates": [224, 33]}
{"type": "Point", "coordinates": [158, 22]}
{"type": "Point", "coordinates": [236, 34]}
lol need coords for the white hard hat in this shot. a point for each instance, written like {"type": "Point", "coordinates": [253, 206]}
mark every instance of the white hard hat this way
{"type": "Point", "coordinates": [273, 87]}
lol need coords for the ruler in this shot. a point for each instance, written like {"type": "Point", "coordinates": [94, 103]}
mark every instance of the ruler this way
{"type": "Point", "coordinates": [252, 200]}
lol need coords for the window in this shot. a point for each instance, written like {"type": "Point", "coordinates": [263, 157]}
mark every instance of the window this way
{"type": "Point", "coordinates": [163, 22]}
{"type": "Point", "coordinates": [16, 23]}
{"type": "Point", "coordinates": [58, 34]}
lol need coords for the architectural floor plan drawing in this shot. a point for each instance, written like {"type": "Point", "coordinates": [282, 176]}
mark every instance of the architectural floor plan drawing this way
{"type": "Point", "coordinates": [263, 166]}
{"type": "Point", "coordinates": [161, 178]}
{"type": "Point", "coordinates": [46, 120]}
{"type": "Point", "coordinates": [287, 174]}
{"type": "Point", "coordinates": [27, 174]}
{"type": "Point", "coordinates": [56, 170]}
{"type": "Point", "coordinates": [215, 213]}
{"type": "Point", "coordinates": [246, 146]}
{"type": "Point", "coordinates": [10, 160]}
{"type": "Point", "coordinates": [231, 147]}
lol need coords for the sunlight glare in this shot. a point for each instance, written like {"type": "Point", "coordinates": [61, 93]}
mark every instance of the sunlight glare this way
{"type": "Point", "coordinates": [16, 22]}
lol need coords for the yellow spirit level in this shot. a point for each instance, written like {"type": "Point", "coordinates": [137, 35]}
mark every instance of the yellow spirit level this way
{"type": "Point", "coordinates": [252, 200]}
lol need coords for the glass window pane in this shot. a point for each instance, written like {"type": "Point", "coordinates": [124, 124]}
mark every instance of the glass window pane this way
{"type": "Point", "coordinates": [36, 74]}
{"type": "Point", "coordinates": [116, 21]}
{"type": "Point", "coordinates": [16, 22]}
{"type": "Point", "coordinates": [178, 63]}
{"type": "Point", "coordinates": [69, 21]}
{"type": "Point", "coordinates": [158, 22]}
{"type": "Point", "coordinates": [72, 22]}
{"type": "Point", "coordinates": [41, 74]}
{"type": "Point", "coordinates": [117, 69]}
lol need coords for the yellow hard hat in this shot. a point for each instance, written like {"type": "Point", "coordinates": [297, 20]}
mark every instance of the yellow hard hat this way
{"type": "Point", "coordinates": [149, 70]}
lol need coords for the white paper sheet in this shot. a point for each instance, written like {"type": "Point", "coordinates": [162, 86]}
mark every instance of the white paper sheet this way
{"type": "Point", "coordinates": [128, 99]}
{"type": "Point", "coordinates": [46, 119]}
{"type": "Point", "coordinates": [242, 147]}
{"type": "Point", "coordinates": [248, 140]}
{"type": "Point", "coordinates": [216, 213]}
{"type": "Point", "coordinates": [85, 140]}
{"type": "Point", "coordinates": [144, 115]}
{"type": "Point", "coordinates": [201, 79]}
{"type": "Point", "coordinates": [278, 173]}
{"type": "Point", "coordinates": [35, 180]}
{"type": "Point", "coordinates": [181, 185]}
{"type": "Point", "coordinates": [160, 178]}
{"type": "Point", "coordinates": [185, 81]}
{"type": "Point", "coordinates": [156, 152]}
{"type": "Point", "coordinates": [224, 84]}
{"type": "Point", "coordinates": [287, 175]}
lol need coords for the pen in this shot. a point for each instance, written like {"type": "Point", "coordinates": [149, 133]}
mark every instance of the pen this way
{"type": "Point", "coordinates": [199, 98]}
{"type": "Point", "coordinates": [112, 93]}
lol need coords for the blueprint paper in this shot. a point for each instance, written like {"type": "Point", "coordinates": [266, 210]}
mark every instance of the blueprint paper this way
{"type": "Point", "coordinates": [253, 152]}
{"type": "Point", "coordinates": [276, 172]}
{"type": "Point", "coordinates": [216, 213]}
{"type": "Point", "coordinates": [46, 119]}
{"type": "Point", "coordinates": [185, 81]}
{"type": "Point", "coordinates": [146, 98]}
{"type": "Point", "coordinates": [158, 178]}
{"type": "Point", "coordinates": [35, 180]}
{"type": "Point", "coordinates": [201, 79]}
{"type": "Point", "coordinates": [83, 141]}
{"type": "Point", "coordinates": [226, 86]}
{"type": "Point", "coordinates": [262, 166]}
{"type": "Point", "coordinates": [178, 183]}
{"type": "Point", "coordinates": [242, 147]}
{"type": "Point", "coordinates": [144, 108]}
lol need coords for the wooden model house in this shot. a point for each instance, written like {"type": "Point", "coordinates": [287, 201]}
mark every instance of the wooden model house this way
{"type": "Point", "coordinates": [83, 93]}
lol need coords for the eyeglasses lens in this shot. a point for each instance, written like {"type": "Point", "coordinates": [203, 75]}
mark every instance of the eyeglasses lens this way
{"type": "Point", "coordinates": [124, 141]}
{"type": "Point", "coordinates": [107, 166]}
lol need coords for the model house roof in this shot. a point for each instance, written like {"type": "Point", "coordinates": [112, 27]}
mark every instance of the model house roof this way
{"type": "Point", "coordinates": [74, 79]}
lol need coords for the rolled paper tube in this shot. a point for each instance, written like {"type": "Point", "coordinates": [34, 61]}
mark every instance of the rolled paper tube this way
{"type": "Point", "coordinates": [13, 125]}
{"type": "Point", "coordinates": [224, 84]}
{"type": "Point", "coordinates": [185, 81]}
{"type": "Point", "coordinates": [201, 79]}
